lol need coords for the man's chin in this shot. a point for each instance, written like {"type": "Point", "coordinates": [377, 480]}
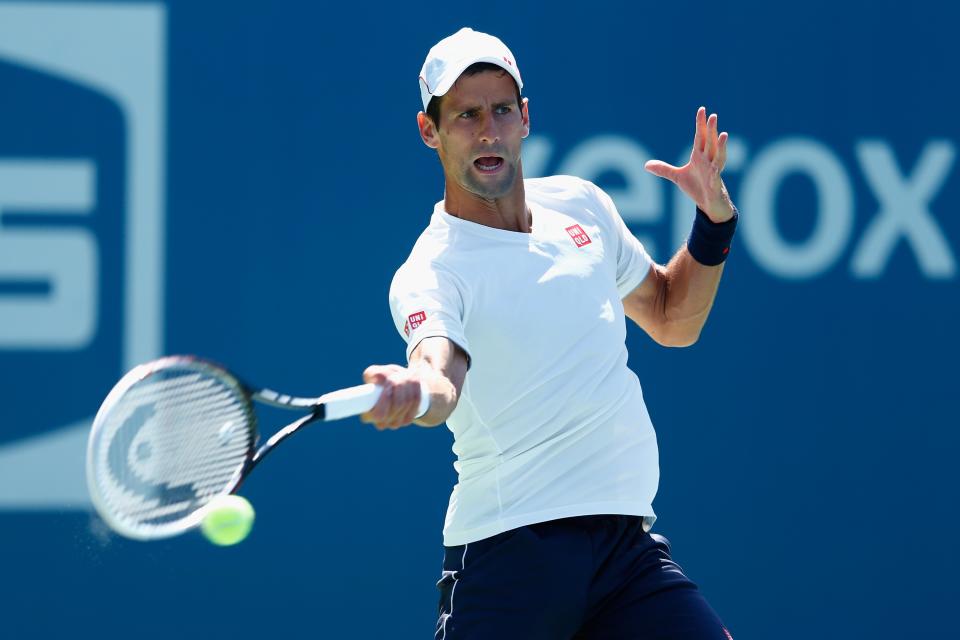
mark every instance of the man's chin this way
{"type": "Point", "coordinates": [493, 187]}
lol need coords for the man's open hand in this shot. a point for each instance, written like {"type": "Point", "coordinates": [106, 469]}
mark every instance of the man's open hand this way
{"type": "Point", "coordinates": [700, 177]}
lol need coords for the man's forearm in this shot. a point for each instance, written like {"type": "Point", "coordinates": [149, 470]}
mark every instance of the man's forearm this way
{"type": "Point", "coordinates": [688, 292]}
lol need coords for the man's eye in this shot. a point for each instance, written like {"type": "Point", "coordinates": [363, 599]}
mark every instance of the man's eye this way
{"type": "Point", "coordinates": [504, 109]}
{"type": "Point", "coordinates": [466, 114]}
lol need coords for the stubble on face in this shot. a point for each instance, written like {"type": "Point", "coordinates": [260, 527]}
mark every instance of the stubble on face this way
{"type": "Point", "coordinates": [491, 187]}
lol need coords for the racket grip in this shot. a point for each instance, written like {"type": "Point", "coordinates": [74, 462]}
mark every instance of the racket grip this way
{"type": "Point", "coordinates": [353, 401]}
{"type": "Point", "coordinates": [424, 400]}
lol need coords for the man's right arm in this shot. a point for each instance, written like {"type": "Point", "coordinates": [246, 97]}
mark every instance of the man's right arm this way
{"type": "Point", "coordinates": [436, 361]}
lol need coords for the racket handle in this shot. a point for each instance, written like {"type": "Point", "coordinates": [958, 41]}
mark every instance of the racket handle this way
{"type": "Point", "coordinates": [353, 401]}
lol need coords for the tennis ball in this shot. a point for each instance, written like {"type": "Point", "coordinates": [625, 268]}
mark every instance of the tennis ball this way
{"type": "Point", "coordinates": [228, 521]}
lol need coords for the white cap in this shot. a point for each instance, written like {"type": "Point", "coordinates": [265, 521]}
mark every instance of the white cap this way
{"type": "Point", "coordinates": [451, 56]}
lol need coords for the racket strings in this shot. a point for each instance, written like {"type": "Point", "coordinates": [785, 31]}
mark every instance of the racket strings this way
{"type": "Point", "coordinates": [168, 444]}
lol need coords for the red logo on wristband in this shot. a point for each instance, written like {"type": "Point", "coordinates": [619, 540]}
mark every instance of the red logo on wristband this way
{"type": "Point", "coordinates": [414, 320]}
{"type": "Point", "coordinates": [579, 236]}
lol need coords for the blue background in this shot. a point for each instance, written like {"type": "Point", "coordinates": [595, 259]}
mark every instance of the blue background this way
{"type": "Point", "coordinates": [808, 441]}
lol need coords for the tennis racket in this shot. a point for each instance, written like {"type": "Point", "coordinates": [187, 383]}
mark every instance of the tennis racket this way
{"type": "Point", "coordinates": [177, 432]}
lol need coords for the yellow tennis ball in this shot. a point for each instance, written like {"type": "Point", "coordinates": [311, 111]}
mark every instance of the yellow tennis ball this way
{"type": "Point", "coordinates": [228, 521]}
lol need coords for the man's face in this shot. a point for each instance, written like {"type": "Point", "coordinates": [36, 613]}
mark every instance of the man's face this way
{"type": "Point", "coordinates": [481, 128]}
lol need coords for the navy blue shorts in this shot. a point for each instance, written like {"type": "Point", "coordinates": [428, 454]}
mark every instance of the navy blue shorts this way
{"type": "Point", "coordinates": [583, 578]}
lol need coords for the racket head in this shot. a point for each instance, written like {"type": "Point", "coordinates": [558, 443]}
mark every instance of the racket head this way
{"type": "Point", "coordinates": [171, 435]}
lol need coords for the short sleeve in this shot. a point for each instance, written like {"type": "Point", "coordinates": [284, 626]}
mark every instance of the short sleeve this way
{"type": "Point", "coordinates": [426, 302]}
{"type": "Point", "coordinates": [633, 261]}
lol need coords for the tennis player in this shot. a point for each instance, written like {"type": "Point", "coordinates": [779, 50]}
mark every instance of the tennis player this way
{"type": "Point", "coordinates": [513, 305]}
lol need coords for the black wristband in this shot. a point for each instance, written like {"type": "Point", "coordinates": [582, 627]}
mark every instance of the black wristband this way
{"type": "Point", "coordinates": [709, 242]}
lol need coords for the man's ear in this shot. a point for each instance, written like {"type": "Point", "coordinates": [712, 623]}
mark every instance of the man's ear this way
{"type": "Point", "coordinates": [525, 116]}
{"type": "Point", "coordinates": [428, 131]}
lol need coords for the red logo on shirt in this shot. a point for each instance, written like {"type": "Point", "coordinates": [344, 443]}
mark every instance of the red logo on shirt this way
{"type": "Point", "coordinates": [414, 320]}
{"type": "Point", "coordinates": [580, 237]}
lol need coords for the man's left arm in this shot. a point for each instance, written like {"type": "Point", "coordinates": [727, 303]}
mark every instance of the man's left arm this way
{"type": "Point", "coordinates": [673, 301]}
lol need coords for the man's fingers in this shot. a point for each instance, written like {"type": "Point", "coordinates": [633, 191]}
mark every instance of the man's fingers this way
{"type": "Point", "coordinates": [397, 406]}
{"type": "Point", "coordinates": [721, 160]}
{"type": "Point", "coordinates": [413, 405]}
{"type": "Point", "coordinates": [662, 169]}
{"type": "Point", "coordinates": [372, 376]}
{"type": "Point", "coordinates": [406, 410]}
{"type": "Point", "coordinates": [399, 399]}
{"type": "Point", "coordinates": [381, 411]}
{"type": "Point", "coordinates": [400, 405]}
{"type": "Point", "coordinates": [377, 373]}
{"type": "Point", "coordinates": [711, 147]}
{"type": "Point", "coordinates": [414, 412]}
{"type": "Point", "coordinates": [701, 134]}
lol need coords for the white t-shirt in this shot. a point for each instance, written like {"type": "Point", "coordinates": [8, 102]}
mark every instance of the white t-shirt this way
{"type": "Point", "coordinates": [550, 423]}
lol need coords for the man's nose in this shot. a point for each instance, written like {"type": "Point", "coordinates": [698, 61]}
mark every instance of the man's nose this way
{"type": "Point", "coordinates": [489, 130]}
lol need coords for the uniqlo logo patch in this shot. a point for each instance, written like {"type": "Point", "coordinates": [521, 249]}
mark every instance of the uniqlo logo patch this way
{"type": "Point", "coordinates": [414, 320]}
{"type": "Point", "coordinates": [580, 237]}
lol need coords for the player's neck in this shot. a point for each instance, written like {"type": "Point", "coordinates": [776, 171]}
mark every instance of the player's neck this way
{"type": "Point", "coordinates": [509, 212]}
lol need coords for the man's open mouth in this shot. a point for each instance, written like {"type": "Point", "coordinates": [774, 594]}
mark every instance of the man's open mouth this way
{"type": "Point", "coordinates": [488, 164]}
